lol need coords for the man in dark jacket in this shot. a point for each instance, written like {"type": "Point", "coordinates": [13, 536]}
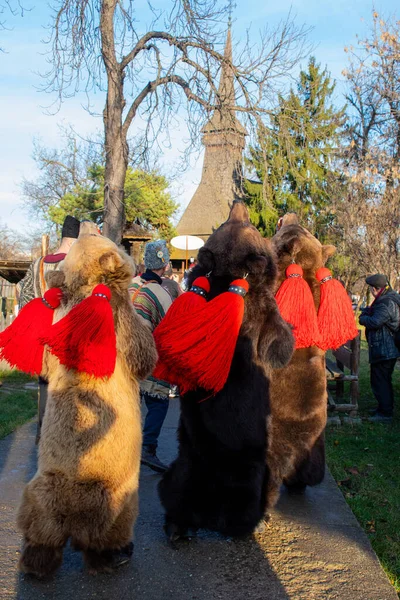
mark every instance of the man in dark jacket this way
{"type": "Point", "coordinates": [381, 320]}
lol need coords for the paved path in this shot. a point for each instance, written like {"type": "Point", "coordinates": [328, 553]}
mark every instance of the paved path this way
{"type": "Point", "coordinates": [313, 548]}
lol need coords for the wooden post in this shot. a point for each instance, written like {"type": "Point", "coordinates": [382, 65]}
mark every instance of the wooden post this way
{"type": "Point", "coordinates": [339, 384]}
{"type": "Point", "coordinates": [45, 244]}
{"type": "Point", "coordinates": [355, 367]}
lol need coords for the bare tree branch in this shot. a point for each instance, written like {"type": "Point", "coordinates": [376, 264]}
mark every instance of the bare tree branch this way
{"type": "Point", "coordinates": [368, 212]}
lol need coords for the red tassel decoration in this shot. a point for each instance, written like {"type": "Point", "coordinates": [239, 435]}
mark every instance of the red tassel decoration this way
{"type": "Point", "coordinates": [296, 305]}
{"type": "Point", "coordinates": [182, 308]}
{"type": "Point", "coordinates": [20, 343]}
{"type": "Point", "coordinates": [200, 350]}
{"type": "Point", "coordinates": [222, 319]}
{"type": "Point", "coordinates": [84, 340]}
{"type": "Point", "coordinates": [336, 320]}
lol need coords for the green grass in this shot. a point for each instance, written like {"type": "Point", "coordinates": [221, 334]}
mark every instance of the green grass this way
{"type": "Point", "coordinates": [365, 461]}
{"type": "Point", "coordinates": [18, 405]}
{"type": "Point", "coordinates": [15, 377]}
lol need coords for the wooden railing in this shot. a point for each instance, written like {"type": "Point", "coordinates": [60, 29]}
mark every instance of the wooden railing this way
{"type": "Point", "coordinates": [344, 368]}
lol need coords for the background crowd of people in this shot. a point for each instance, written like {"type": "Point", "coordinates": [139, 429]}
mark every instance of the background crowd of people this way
{"type": "Point", "coordinates": [154, 289]}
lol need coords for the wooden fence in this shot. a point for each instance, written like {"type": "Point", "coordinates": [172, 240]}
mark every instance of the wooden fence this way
{"type": "Point", "coordinates": [8, 303]}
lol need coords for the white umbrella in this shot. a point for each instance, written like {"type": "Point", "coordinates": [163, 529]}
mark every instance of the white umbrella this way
{"type": "Point", "coordinates": [187, 242]}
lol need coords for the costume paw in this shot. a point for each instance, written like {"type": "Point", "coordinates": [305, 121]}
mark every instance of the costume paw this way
{"type": "Point", "coordinates": [176, 532]}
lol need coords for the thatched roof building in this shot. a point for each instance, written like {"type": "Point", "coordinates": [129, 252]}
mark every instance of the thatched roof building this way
{"type": "Point", "coordinates": [14, 270]}
{"type": "Point", "coordinates": [221, 181]}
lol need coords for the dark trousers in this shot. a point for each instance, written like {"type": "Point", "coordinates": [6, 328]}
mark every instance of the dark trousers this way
{"type": "Point", "coordinates": [157, 408]}
{"type": "Point", "coordinates": [381, 383]}
{"type": "Point", "coordinates": [42, 399]}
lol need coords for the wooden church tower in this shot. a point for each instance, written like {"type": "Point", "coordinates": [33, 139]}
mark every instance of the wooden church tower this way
{"type": "Point", "coordinates": [221, 181]}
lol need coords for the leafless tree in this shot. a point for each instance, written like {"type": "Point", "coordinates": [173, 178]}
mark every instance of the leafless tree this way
{"type": "Point", "coordinates": [10, 8]}
{"type": "Point", "coordinates": [150, 73]}
{"type": "Point", "coordinates": [369, 233]}
{"type": "Point", "coordinates": [62, 171]}
{"type": "Point", "coordinates": [12, 244]}
{"type": "Point", "coordinates": [368, 209]}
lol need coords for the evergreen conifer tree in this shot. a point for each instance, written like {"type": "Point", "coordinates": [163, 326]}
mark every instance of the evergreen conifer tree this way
{"type": "Point", "coordinates": [295, 156]}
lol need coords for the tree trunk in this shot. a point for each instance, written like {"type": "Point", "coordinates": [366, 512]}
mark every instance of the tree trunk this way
{"type": "Point", "coordinates": [116, 163]}
{"type": "Point", "coordinates": [114, 181]}
{"type": "Point", "coordinates": [115, 144]}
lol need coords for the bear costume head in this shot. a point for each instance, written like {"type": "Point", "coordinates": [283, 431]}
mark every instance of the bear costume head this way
{"type": "Point", "coordinates": [293, 243]}
{"type": "Point", "coordinates": [92, 260]}
{"type": "Point", "coordinates": [236, 249]}
{"type": "Point", "coordinates": [95, 259]}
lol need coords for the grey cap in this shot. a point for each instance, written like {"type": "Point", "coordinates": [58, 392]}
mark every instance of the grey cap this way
{"type": "Point", "coordinates": [156, 255]}
{"type": "Point", "coordinates": [377, 281]}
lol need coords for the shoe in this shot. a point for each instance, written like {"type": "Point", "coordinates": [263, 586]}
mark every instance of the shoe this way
{"type": "Point", "coordinates": [122, 556]}
{"type": "Point", "coordinates": [174, 392]}
{"type": "Point", "coordinates": [150, 459]}
{"type": "Point", "coordinates": [378, 418]}
{"type": "Point", "coordinates": [104, 561]}
{"type": "Point", "coordinates": [176, 532]}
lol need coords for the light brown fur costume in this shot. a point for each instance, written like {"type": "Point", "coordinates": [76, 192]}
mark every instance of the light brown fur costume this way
{"type": "Point", "coordinates": [86, 485]}
{"type": "Point", "coordinates": [298, 394]}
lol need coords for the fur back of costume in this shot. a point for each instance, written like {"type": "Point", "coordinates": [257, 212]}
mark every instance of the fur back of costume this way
{"type": "Point", "coordinates": [86, 485]}
{"type": "Point", "coordinates": [298, 392]}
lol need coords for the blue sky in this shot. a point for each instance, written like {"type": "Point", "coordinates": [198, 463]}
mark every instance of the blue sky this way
{"type": "Point", "coordinates": [23, 118]}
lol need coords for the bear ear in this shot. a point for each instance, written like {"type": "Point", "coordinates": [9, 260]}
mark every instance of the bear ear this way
{"type": "Point", "coordinates": [110, 261]}
{"type": "Point", "coordinates": [259, 264]}
{"type": "Point", "coordinates": [327, 251]}
{"type": "Point", "coordinates": [239, 213]}
{"type": "Point", "coordinates": [287, 245]}
{"type": "Point", "coordinates": [206, 259]}
{"type": "Point", "coordinates": [289, 219]}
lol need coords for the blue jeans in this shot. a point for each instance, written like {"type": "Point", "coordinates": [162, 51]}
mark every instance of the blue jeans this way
{"type": "Point", "coordinates": [157, 408]}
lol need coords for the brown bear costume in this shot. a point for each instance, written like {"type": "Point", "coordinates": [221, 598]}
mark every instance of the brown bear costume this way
{"type": "Point", "coordinates": [86, 485]}
{"type": "Point", "coordinates": [220, 477]}
{"type": "Point", "coordinates": [298, 392]}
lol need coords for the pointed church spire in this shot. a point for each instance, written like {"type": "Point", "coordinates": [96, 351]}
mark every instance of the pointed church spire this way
{"type": "Point", "coordinates": [224, 118]}
{"type": "Point", "coordinates": [230, 15]}
{"type": "Point", "coordinates": [224, 141]}
{"type": "Point", "coordinates": [226, 90]}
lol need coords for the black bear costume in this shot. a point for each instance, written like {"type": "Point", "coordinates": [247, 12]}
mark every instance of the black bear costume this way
{"type": "Point", "coordinates": [220, 478]}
